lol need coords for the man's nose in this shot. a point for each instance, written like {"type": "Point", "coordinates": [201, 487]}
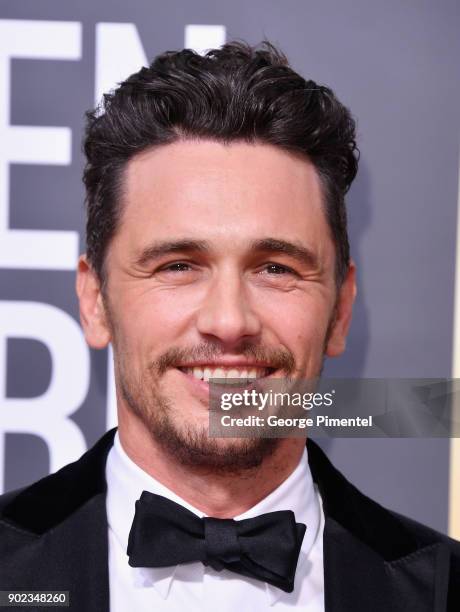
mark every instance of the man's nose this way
{"type": "Point", "coordinates": [226, 312]}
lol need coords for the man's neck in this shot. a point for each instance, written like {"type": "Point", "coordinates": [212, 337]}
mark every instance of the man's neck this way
{"type": "Point", "coordinates": [219, 495]}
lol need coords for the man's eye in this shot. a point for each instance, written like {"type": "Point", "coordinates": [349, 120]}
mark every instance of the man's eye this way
{"type": "Point", "coordinates": [177, 266]}
{"type": "Point", "coordinates": [278, 269]}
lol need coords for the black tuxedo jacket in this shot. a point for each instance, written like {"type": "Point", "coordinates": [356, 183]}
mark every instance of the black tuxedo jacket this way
{"type": "Point", "coordinates": [53, 536]}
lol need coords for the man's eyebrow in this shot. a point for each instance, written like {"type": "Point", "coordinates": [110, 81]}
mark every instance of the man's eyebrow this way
{"type": "Point", "coordinates": [160, 249]}
{"type": "Point", "coordinates": [301, 253]}
{"type": "Point", "coordinates": [157, 250]}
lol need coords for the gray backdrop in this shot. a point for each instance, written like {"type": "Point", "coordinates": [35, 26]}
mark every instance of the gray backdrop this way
{"type": "Point", "coordinates": [394, 63]}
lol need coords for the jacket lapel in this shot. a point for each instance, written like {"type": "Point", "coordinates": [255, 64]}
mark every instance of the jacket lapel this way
{"type": "Point", "coordinates": [71, 557]}
{"type": "Point", "coordinates": [356, 578]}
{"type": "Point", "coordinates": [57, 530]}
{"type": "Point", "coordinates": [371, 561]}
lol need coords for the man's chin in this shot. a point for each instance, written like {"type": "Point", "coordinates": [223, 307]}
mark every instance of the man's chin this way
{"type": "Point", "coordinates": [183, 435]}
{"type": "Point", "coordinates": [193, 448]}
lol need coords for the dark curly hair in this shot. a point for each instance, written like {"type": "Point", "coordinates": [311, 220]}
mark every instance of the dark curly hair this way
{"type": "Point", "coordinates": [235, 93]}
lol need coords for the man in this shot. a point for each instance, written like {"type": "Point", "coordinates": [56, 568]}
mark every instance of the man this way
{"type": "Point", "coordinates": [216, 247]}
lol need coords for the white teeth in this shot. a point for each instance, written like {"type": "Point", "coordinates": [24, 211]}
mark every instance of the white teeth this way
{"type": "Point", "coordinates": [205, 373]}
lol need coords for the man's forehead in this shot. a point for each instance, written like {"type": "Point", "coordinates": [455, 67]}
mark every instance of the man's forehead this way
{"type": "Point", "coordinates": [196, 168]}
{"type": "Point", "coordinates": [230, 196]}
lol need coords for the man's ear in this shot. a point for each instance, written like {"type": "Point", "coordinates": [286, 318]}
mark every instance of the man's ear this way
{"type": "Point", "coordinates": [342, 315]}
{"type": "Point", "coordinates": [93, 316]}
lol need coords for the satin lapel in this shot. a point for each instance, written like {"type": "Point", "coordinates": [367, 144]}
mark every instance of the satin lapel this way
{"type": "Point", "coordinates": [78, 549]}
{"type": "Point", "coordinates": [55, 533]}
{"type": "Point", "coordinates": [70, 557]}
{"type": "Point", "coordinates": [358, 579]}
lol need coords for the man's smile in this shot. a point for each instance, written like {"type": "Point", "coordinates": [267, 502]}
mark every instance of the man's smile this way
{"type": "Point", "coordinates": [205, 372]}
{"type": "Point", "coordinates": [237, 375]}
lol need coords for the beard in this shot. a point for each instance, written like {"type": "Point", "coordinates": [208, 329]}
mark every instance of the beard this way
{"type": "Point", "coordinates": [186, 443]}
{"type": "Point", "coordinates": [189, 444]}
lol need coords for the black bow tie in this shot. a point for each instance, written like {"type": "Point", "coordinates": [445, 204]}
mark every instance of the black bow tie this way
{"type": "Point", "coordinates": [266, 547]}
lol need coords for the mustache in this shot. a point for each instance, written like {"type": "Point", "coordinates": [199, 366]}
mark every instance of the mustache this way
{"type": "Point", "coordinates": [278, 358]}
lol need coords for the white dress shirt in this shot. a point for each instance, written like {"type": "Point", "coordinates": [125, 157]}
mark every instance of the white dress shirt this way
{"type": "Point", "coordinates": [193, 586]}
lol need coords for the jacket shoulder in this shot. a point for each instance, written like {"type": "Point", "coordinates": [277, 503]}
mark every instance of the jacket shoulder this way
{"type": "Point", "coordinates": [48, 501]}
{"type": "Point", "coordinates": [426, 535]}
{"type": "Point", "coordinates": [6, 498]}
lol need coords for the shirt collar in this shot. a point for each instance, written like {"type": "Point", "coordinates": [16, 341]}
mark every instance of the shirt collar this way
{"type": "Point", "coordinates": [126, 481]}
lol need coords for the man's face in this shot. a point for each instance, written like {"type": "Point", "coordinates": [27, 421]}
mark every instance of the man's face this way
{"type": "Point", "coordinates": [222, 264]}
